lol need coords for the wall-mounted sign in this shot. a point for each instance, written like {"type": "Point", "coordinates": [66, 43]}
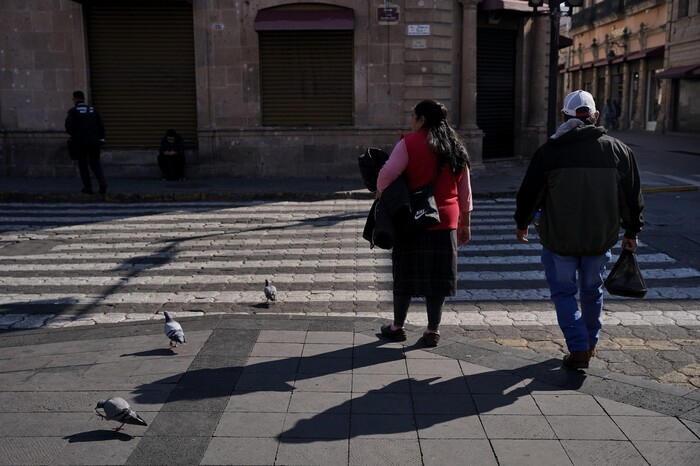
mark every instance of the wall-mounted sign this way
{"type": "Point", "coordinates": [419, 29]}
{"type": "Point", "coordinates": [419, 44]}
{"type": "Point", "coordinates": [388, 14]}
{"type": "Point", "coordinates": [217, 27]}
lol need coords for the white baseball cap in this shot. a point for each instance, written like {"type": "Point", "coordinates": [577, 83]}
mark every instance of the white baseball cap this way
{"type": "Point", "coordinates": [579, 103]}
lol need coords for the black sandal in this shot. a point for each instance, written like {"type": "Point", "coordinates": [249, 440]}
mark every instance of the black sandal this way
{"type": "Point", "coordinates": [397, 335]}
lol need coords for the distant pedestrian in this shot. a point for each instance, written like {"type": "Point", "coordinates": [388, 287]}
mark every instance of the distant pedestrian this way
{"type": "Point", "coordinates": [171, 156]}
{"type": "Point", "coordinates": [581, 186]}
{"type": "Point", "coordinates": [85, 127]}
{"type": "Point", "coordinates": [609, 114]}
{"type": "Point", "coordinates": [424, 263]}
{"type": "Point", "coordinates": [618, 113]}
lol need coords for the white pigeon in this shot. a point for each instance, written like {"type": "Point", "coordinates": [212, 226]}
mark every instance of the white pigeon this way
{"type": "Point", "coordinates": [173, 330]}
{"type": "Point", "coordinates": [270, 291]}
{"type": "Point", "coordinates": [117, 409]}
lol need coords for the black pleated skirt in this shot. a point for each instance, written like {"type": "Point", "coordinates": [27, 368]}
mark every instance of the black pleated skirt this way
{"type": "Point", "coordinates": [425, 263]}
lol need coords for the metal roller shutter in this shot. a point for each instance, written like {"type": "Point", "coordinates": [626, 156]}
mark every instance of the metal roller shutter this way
{"type": "Point", "coordinates": [495, 97]}
{"type": "Point", "coordinates": [306, 77]}
{"type": "Point", "coordinates": [142, 70]}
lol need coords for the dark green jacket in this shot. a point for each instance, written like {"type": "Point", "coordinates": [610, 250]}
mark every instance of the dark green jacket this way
{"type": "Point", "coordinates": [587, 185]}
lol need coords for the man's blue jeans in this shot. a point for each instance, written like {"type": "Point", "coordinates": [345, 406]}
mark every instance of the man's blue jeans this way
{"type": "Point", "coordinates": [565, 275]}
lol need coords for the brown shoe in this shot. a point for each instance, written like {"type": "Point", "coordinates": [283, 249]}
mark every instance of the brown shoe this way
{"type": "Point", "coordinates": [431, 339]}
{"type": "Point", "coordinates": [576, 360]}
{"type": "Point", "coordinates": [397, 335]}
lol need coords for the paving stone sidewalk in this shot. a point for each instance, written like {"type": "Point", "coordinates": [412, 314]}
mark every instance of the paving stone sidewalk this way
{"type": "Point", "coordinates": [301, 390]}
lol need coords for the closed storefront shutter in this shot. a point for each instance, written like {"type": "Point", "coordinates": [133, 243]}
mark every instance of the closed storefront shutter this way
{"type": "Point", "coordinates": [307, 77]}
{"type": "Point", "coordinates": [495, 98]}
{"type": "Point", "coordinates": [142, 71]}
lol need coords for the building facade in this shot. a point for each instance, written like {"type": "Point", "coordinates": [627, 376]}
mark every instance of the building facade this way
{"type": "Point", "coordinates": [267, 88]}
{"type": "Point", "coordinates": [641, 58]}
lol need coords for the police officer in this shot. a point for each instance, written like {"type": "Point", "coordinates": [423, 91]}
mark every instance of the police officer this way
{"type": "Point", "coordinates": [84, 125]}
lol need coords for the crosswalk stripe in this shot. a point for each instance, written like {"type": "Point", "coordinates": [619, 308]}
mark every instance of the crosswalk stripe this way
{"type": "Point", "coordinates": [299, 278]}
{"type": "Point", "coordinates": [273, 263]}
{"type": "Point", "coordinates": [311, 252]}
{"type": "Point", "coordinates": [318, 295]}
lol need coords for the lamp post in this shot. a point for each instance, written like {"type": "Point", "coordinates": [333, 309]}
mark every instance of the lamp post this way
{"type": "Point", "coordinates": [554, 12]}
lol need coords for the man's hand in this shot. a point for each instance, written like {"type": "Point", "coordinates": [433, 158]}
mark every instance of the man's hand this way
{"type": "Point", "coordinates": [521, 235]}
{"type": "Point", "coordinates": [629, 244]}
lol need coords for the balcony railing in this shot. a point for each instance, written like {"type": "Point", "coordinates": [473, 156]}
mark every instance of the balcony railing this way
{"type": "Point", "coordinates": [606, 8]}
{"type": "Point", "coordinates": [599, 11]}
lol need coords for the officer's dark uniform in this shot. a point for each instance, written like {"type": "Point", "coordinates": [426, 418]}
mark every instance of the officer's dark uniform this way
{"type": "Point", "coordinates": [84, 125]}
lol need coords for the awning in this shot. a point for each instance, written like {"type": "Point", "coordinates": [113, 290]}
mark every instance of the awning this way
{"type": "Point", "coordinates": [285, 20]}
{"type": "Point", "coordinates": [600, 62]}
{"type": "Point", "coordinates": [687, 71]}
{"type": "Point", "coordinates": [648, 53]}
{"type": "Point", "coordinates": [565, 42]}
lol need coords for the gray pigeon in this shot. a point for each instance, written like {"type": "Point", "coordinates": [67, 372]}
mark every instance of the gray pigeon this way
{"type": "Point", "coordinates": [270, 291]}
{"type": "Point", "coordinates": [117, 409]}
{"type": "Point", "coordinates": [173, 330]}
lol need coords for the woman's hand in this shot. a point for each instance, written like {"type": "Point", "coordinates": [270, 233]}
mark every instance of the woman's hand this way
{"type": "Point", "coordinates": [464, 235]}
{"type": "Point", "coordinates": [464, 231]}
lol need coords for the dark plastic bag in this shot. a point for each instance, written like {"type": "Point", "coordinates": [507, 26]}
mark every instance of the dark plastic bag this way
{"type": "Point", "coordinates": [625, 278]}
{"type": "Point", "coordinates": [371, 161]}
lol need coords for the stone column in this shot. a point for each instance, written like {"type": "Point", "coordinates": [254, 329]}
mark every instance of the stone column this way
{"type": "Point", "coordinates": [535, 92]}
{"type": "Point", "coordinates": [537, 108]}
{"type": "Point", "coordinates": [640, 114]}
{"type": "Point", "coordinates": [468, 129]}
{"type": "Point", "coordinates": [623, 117]}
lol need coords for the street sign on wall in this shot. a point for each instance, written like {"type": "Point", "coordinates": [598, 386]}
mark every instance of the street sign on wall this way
{"type": "Point", "coordinates": [419, 29]}
{"type": "Point", "coordinates": [388, 15]}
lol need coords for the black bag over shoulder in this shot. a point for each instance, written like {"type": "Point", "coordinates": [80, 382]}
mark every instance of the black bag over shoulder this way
{"type": "Point", "coordinates": [371, 161]}
{"type": "Point", "coordinates": [625, 278]}
{"type": "Point", "coordinates": [424, 210]}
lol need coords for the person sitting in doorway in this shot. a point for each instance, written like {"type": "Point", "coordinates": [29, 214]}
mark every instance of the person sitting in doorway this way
{"type": "Point", "coordinates": [171, 156]}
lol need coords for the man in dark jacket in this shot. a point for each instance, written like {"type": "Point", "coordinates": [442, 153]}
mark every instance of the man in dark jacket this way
{"type": "Point", "coordinates": [580, 187]}
{"type": "Point", "coordinates": [84, 125]}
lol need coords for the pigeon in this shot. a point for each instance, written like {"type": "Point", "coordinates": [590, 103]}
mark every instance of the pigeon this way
{"type": "Point", "coordinates": [173, 330]}
{"type": "Point", "coordinates": [270, 291]}
{"type": "Point", "coordinates": [117, 409]}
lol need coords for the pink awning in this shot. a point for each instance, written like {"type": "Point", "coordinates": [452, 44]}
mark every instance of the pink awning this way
{"type": "Point", "coordinates": [284, 20]}
{"type": "Point", "coordinates": [687, 71]}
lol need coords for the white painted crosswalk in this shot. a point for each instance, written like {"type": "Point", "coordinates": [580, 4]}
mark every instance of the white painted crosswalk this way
{"type": "Point", "coordinates": [154, 254]}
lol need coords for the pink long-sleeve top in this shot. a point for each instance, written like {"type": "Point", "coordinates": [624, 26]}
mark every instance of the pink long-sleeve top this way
{"type": "Point", "coordinates": [397, 163]}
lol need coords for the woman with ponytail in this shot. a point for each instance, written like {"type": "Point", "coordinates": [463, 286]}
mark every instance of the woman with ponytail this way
{"type": "Point", "coordinates": [424, 263]}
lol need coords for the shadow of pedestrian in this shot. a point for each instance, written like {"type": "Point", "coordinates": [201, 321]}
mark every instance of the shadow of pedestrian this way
{"type": "Point", "coordinates": [402, 405]}
{"type": "Point", "coordinates": [427, 402]}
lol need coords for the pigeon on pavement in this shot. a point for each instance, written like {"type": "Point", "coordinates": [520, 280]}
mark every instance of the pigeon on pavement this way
{"type": "Point", "coordinates": [117, 409]}
{"type": "Point", "coordinates": [270, 291]}
{"type": "Point", "coordinates": [173, 330]}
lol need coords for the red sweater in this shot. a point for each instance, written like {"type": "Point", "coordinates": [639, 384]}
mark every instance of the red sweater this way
{"type": "Point", "coordinates": [422, 168]}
